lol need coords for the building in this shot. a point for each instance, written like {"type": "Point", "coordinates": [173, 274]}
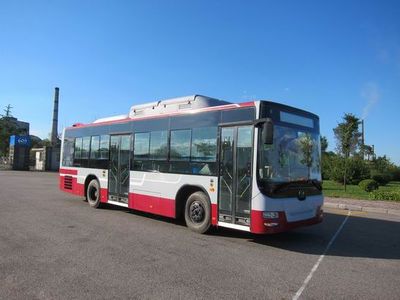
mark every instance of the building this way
{"type": "Point", "coordinates": [22, 127]}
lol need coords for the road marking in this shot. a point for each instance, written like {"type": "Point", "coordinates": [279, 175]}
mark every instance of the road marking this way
{"type": "Point", "coordinates": [315, 267]}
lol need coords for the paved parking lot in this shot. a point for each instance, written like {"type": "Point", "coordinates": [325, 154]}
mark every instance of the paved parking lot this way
{"type": "Point", "coordinates": [54, 246]}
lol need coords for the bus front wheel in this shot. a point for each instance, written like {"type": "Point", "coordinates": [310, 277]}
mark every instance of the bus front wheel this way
{"type": "Point", "coordinates": [198, 212]}
{"type": "Point", "coordinates": [93, 193]}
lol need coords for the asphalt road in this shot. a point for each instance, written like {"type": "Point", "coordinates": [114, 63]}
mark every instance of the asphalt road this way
{"type": "Point", "coordinates": [54, 246]}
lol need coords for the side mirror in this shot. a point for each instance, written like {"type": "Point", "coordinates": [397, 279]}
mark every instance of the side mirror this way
{"type": "Point", "coordinates": [268, 132]}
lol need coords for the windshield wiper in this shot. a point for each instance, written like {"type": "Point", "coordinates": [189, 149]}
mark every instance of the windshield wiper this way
{"type": "Point", "coordinates": [316, 183]}
{"type": "Point", "coordinates": [284, 185]}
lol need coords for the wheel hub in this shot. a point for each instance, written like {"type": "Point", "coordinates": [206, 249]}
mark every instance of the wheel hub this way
{"type": "Point", "coordinates": [93, 194]}
{"type": "Point", "coordinates": [196, 212]}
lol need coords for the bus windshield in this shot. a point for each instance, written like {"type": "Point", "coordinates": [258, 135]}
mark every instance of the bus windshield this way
{"type": "Point", "coordinates": [293, 156]}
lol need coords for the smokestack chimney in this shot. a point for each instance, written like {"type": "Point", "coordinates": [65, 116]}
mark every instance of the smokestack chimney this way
{"type": "Point", "coordinates": [362, 140]}
{"type": "Point", "coordinates": [53, 138]}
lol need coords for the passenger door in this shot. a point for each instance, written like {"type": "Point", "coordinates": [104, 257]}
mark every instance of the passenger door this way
{"type": "Point", "coordinates": [235, 174]}
{"type": "Point", "coordinates": [118, 179]}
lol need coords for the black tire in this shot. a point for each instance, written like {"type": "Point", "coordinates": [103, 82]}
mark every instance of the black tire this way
{"type": "Point", "coordinates": [93, 193]}
{"type": "Point", "coordinates": [198, 212]}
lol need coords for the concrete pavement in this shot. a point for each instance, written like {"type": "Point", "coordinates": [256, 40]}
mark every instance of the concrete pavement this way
{"type": "Point", "coordinates": [54, 246]}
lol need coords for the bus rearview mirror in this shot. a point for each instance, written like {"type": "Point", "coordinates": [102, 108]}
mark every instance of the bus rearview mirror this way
{"type": "Point", "coordinates": [268, 132]}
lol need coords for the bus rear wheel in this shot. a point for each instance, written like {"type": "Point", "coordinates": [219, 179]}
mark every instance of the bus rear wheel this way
{"type": "Point", "coordinates": [198, 212]}
{"type": "Point", "coordinates": [93, 193]}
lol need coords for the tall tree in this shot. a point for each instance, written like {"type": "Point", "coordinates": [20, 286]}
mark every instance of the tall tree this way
{"type": "Point", "coordinates": [347, 137]}
{"type": "Point", "coordinates": [7, 128]}
{"type": "Point", "coordinates": [369, 152]}
{"type": "Point", "coordinates": [324, 143]}
{"type": "Point", "coordinates": [7, 111]}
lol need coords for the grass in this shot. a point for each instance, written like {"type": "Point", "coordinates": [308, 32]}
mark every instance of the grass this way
{"type": "Point", "coordinates": [334, 189]}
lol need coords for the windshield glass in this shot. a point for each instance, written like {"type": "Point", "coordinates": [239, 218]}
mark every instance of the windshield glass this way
{"type": "Point", "coordinates": [294, 155]}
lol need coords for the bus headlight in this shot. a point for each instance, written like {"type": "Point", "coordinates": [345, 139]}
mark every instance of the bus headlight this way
{"type": "Point", "coordinates": [270, 215]}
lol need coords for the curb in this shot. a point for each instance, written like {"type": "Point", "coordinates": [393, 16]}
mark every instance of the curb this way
{"type": "Point", "coordinates": [353, 207]}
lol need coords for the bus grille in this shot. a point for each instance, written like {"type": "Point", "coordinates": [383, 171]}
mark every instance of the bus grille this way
{"type": "Point", "coordinates": [68, 182]}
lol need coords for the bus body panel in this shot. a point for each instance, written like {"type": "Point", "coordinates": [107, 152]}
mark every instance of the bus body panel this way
{"type": "Point", "coordinates": [292, 213]}
{"type": "Point", "coordinates": [78, 177]}
{"type": "Point", "coordinates": [294, 208]}
{"type": "Point", "coordinates": [151, 189]}
{"type": "Point", "coordinates": [149, 192]}
{"type": "Point", "coordinates": [167, 185]}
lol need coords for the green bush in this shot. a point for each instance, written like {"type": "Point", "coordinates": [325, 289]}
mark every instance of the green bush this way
{"type": "Point", "coordinates": [357, 170]}
{"type": "Point", "coordinates": [395, 173]}
{"type": "Point", "coordinates": [382, 179]}
{"type": "Point", "coordinates": [385, 195]}
{"type": "Point", "coordinates": [368, 185]}
{"type": "Point", "coordinates": [327, 163]}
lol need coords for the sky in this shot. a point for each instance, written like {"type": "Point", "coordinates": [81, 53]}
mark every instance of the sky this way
{"type": "Point", "coordinates": [327, 57]}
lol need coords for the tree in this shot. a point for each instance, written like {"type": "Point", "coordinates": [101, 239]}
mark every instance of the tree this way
{"type": "Point", "coordinates": [357, 169]}
{"type": "Point", "coordinates": [369, 152]}
{"type": "Point", "coordinates": [46, 143]}
{"type": "Point", "coordinates": [7, 111]}
{"type": "Point", "coordinates": [383, 170]}
{"type": "Point", "coordinates": [327, 164]}
{"type": "Point", "coordinates": [347, 138]}
{"type": "Point", "coordinates": [7, 128]}
{"type": "Point", "coordinates": [324, 143]}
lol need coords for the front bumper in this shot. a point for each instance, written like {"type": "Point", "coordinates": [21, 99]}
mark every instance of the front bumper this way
{"type": "Point", "coordinates": [259, 225]}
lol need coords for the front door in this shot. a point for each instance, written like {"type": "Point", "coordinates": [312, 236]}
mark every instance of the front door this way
{"type": "Point", "coordinates": [235, 179]}
{"type": "Point", "coordinates": [118, 178]}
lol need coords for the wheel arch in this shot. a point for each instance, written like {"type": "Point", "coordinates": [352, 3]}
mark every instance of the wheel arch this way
{"type": "Point", "coordinates": [88, 179]}
{"type": "Point", "coordinates": [182, 195]}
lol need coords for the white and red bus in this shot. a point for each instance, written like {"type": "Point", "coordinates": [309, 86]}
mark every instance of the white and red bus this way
{"type": "Point", "coordinates": [253, 166]}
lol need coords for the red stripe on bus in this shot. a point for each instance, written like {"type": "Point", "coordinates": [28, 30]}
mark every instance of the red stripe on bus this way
{"type": "Point", "coordinates": [214, 214]}
{"type": "Point", "coordinates": [68, 171]}
{"type": "Point", "coordinates": [152, 204]}
{"type": "Point", "coordinates": [247, 104]}
{"type": "Point", "coordinates": [103, 195]}
{"type": "Point", "coordinates": [69, 184]}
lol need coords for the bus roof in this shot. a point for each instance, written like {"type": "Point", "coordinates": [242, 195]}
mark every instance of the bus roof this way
{"type": "Point", "coordinates": [180, 105]}
{"type": "Point", "coordinates": [174, 105]}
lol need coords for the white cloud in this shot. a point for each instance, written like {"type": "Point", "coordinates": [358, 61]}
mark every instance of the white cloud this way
{"type": "Point", "coordinates": [370, 92]}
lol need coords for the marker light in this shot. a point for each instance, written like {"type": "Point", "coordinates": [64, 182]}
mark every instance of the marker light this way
{"type": "Point", "coordinates": [270, 215]}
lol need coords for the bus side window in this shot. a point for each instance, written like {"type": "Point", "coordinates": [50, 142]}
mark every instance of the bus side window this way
{"type": "Point", "coordinates": [85, 147]}
{"type": "Point", "coordinates": [77, 152]}
{"type": "Point", "coordinates": [180, 145]}
{"type": "Point", "coordinates": [158, 145]}
{"type": "Point", "coordinates": [95, 147]}
{"type": "Point", "coordinates": [68, 152]}
{"type": "Point", "coordinates": [158, 151]}
{"type": "Point", "coordinates": [180, 151]}
{"type": "Point", "coordinates": [141, 151]}
{"type": "Point", "coordinates": [104, 146]}
{"type": "Point", "coordinates": [204, 144]}
{"type": "Point", "coordinates": [85, 152]}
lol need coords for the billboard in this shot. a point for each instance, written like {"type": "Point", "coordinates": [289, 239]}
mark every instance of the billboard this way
{"type": "Point", "coordinates": [20, 141]}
